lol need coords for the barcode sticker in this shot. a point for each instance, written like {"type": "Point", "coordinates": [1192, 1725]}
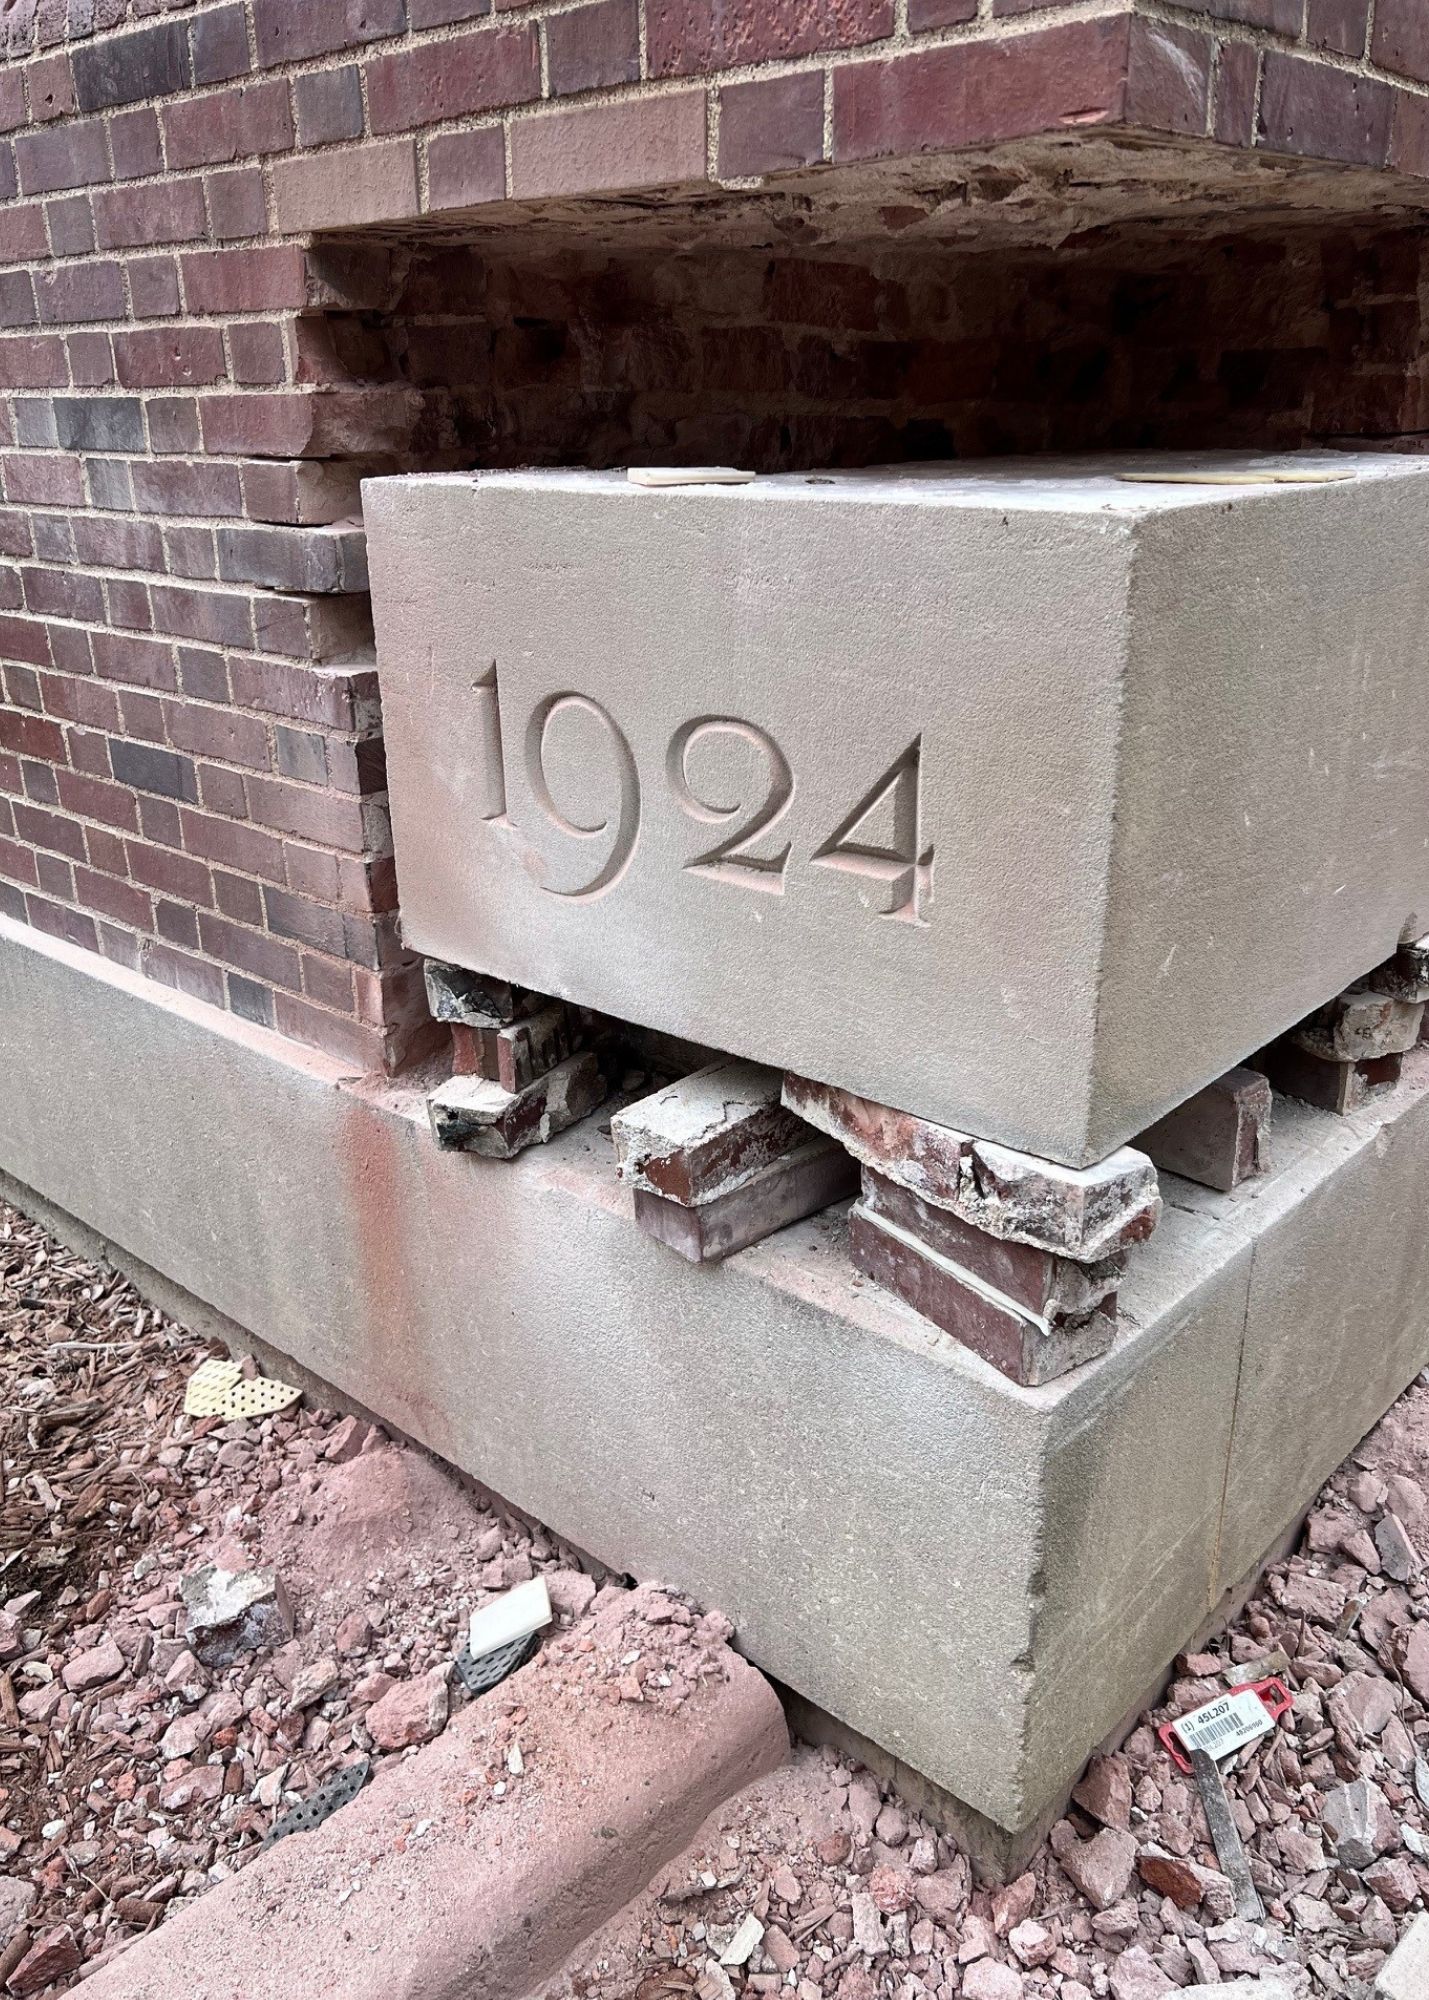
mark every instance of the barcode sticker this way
{"type": "Point", "coordinates": [1223, 1726]}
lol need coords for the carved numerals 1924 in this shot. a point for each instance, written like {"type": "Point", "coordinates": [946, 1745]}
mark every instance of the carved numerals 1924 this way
{"type": "Point", "coordinates": [879, 842]}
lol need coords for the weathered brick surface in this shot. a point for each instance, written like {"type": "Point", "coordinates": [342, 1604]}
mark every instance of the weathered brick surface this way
{"type": "Point", "coordinates": [654, 143]}
{"type": "Point", "coordinates": [1401, 38]}
{"type": "Point", "coordinates": [689, 37]}
{"type": "Point", "coordinates": [1309, 109]}
{"type": "Point", "coordinates": [593, 46]}
{"type": "Point", "coordinates": [191, 773]}
{"type": "Point", "coordinates": [977, 93]}
{"type": "Point", "coordinates": [480, 72]}
{"type": "Point", "coordinates": [769, 127]}
{"type": "Point", "coordinates": [347, 188]}
{"type": "Point", "coordinates": [466, 168]}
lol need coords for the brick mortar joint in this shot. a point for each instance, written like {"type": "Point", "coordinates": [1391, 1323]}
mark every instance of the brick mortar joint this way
{"type": "Point", "coordinates": [224, 586]}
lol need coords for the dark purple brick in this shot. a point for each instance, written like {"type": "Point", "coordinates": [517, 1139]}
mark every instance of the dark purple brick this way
{"type": "Point", "coordinates": [1340, 25]}
{"type": "Point", "coordinates": [289, 30]}
{"type": "Point", "coordinates": [693, 37]}
{"type": "Point", "coordinates": [128, 69]}
{"type": "Point", "coordinates": [768, 128]}
{"type": "Point", "coordinates": [1401, 38]}
{"type": "Point", "coordinates": [220, 45]}
{"type": "Point", "coordinates": [146, 769]}
{"type": "Point", "coordinates": [72, 154]}
{"type": "Point", "coordinates": [593, 47]}
{"type": "Point", "coordinates": [976, 93]}
{"type": "Point", "coordinates": [925, 14]}
{"type": "Point", "coordinates": [328, 104]}
{"type": "Point", "coordinates": [1168, 82]}
{"type": "Point", "coordinates": [134, 142]}
{"type": "Point", "coordinates": [1283, 16]}
{"type": "Point", "coordinates": [1321, 113]}
{"type": "Point", "coordinates": [478, 72]}
{"type": "Point", "coordinates": [1233, 120]}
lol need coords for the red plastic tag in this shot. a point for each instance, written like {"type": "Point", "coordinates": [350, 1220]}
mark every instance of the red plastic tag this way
{"type": "Point", "coordinates": [1274, 1695]}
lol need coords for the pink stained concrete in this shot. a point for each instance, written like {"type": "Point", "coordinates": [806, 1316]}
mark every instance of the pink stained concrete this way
{"type": "Point", "coordinates": [431, 1885]}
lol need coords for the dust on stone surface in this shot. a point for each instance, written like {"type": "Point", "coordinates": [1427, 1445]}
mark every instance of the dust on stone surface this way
{"type": "Point", "coordinates": [132, 1777]}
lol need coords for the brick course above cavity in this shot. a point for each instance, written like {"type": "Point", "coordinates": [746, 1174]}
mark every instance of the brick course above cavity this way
{"type": "Point", "coordinates": [190, 743]}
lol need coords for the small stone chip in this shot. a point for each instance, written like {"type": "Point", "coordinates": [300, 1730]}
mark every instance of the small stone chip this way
{"type": "Point", "coordinates": [688, 475]}
{"type": "Point", "coordinates": [742, 1945]}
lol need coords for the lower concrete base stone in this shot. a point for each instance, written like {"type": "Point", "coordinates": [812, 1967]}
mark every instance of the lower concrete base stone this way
{"type": "Point", "coordinates": [982, 1579]}
{"type": "Point", "coordinates": [996, 1854]}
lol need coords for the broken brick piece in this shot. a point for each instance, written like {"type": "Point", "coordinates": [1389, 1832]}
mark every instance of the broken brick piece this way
{"type": "Point", "coordinates": [707, 1134]}
{"type": "Point", "coordinates": [475, 999]}
{"type": "Point", "coordinates": [1360, 1026]}
{"type": "Point", "coordinates": [1341, 1087]}
{"type": "Point", "coordinates": [474, 1115]}
{"type": "Point", "coordinates": [518, 1053]}
{"type": "Point", "coordinates": [1406, 975]}
{"type": "Point", "coordinates": [1027, 1349]}
{"type": "Point", "coordinates": [1220, 1137]}
{"type": "Point", "coordinates": [1042, 1283]}
{"type": "Point", "coordinates": [932, 1160]}
{"type": "Point", "coordinates": [801, 1183]}
{"type": "Point", "coordinates": [1080, 1212]}
{"type": "Point", "coordinates": [232, 1612]}
{"type": "Point", "coordinates": [50, 1958]}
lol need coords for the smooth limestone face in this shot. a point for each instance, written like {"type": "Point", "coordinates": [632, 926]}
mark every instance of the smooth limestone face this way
{"type": "Point", "coordinates": [1023, 796]}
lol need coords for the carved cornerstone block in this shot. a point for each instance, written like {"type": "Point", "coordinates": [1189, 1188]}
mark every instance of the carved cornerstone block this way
{"type": "Point", "coordinates": [1025, 797]}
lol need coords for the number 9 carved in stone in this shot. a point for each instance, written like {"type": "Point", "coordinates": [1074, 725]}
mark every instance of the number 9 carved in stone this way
{"type": "Point", "coordinates": [582, 741]}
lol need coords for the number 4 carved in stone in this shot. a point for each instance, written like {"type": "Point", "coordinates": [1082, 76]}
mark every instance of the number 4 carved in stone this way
{"type": "Point", "coordinates": [882, 841]}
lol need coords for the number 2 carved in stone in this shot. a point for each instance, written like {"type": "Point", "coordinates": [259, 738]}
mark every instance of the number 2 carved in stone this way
{"type": "Point", "coordinates": [732, 860]}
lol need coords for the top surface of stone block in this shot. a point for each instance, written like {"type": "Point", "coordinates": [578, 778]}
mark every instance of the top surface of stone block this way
{"type": "Point", "coordinates": [1015, 795]}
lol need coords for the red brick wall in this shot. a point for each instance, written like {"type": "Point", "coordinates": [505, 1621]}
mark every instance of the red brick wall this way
{"type": "Point", "coordinates": [1147, 339]}
{"type": "Point", "coordinates": [190, 758]}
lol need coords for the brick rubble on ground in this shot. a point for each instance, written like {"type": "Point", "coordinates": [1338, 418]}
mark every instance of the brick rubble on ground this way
{"type": "Point", "coordinates": [132, 1774]}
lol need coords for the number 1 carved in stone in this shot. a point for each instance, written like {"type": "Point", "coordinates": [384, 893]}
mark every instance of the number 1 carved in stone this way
{"type": "Point", "coordinates": [491, 770]}
{"type": "Point", "coordinates": [622, 826]}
